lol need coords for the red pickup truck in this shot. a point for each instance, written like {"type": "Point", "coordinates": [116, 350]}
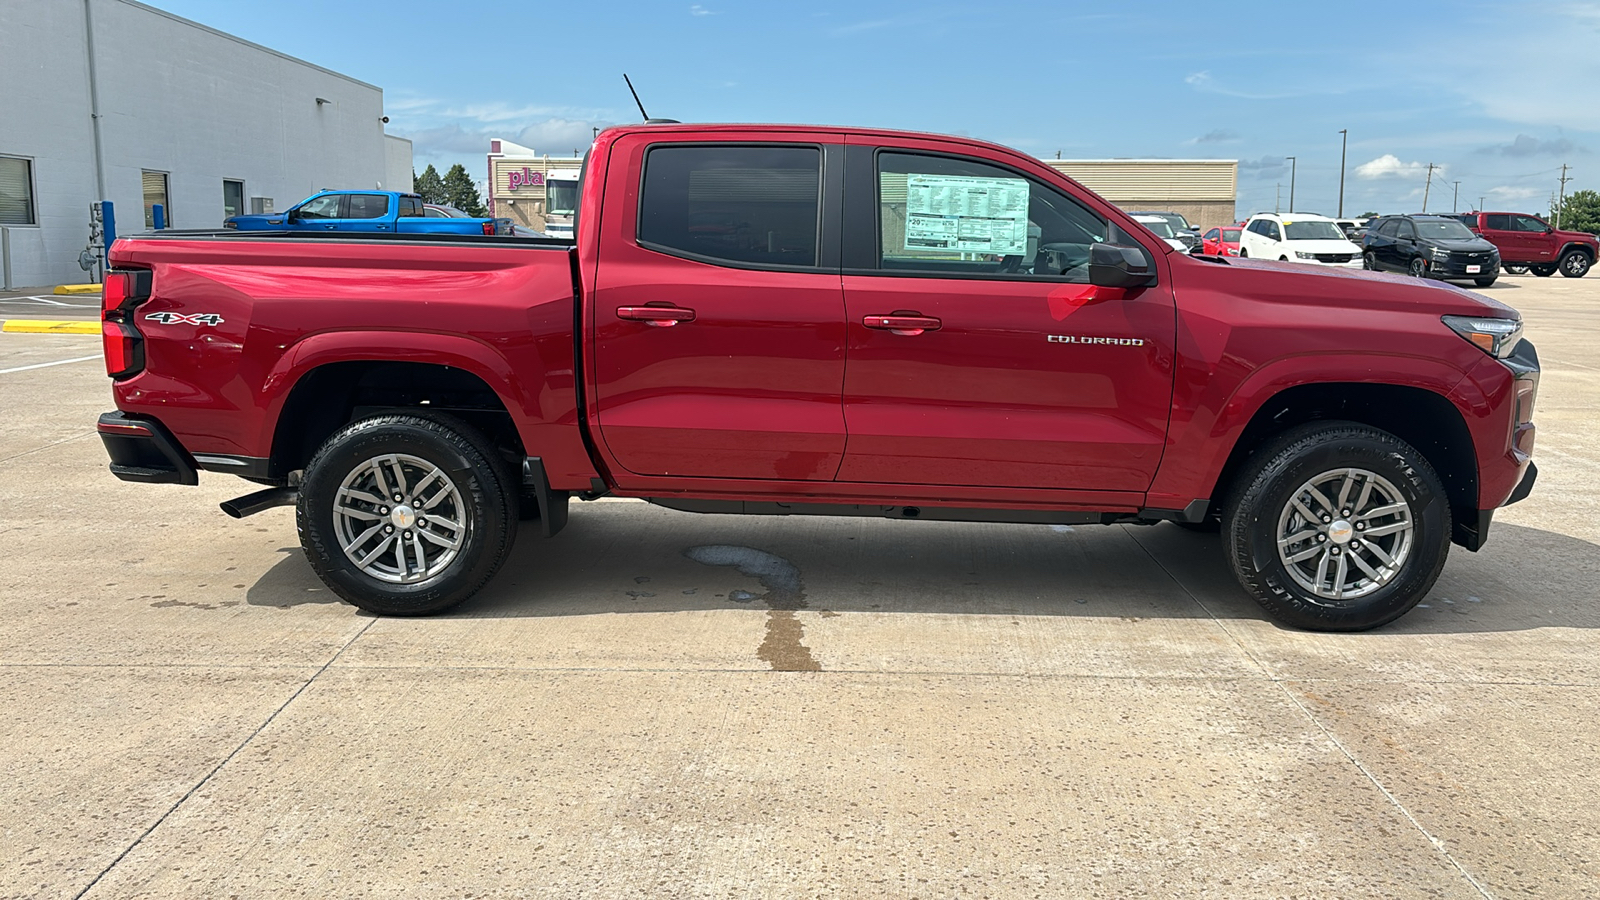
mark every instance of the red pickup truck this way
{"type": "Point", "coordinates": [788, 320]}
{"type": "Point", "coordinates": [1530, 243]}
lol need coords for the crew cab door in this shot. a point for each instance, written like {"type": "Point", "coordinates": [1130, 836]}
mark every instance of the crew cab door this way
{"type": "Point", "coordinates": [1536, 239]}
{"type": "Point", "coordinates": [979, 354]}
{"type": "Point", "coordinates": [717, 314]}
{"type": "Point", "coordinates": [322, 213]}
{"type": "Point", "coordinates": [368, 212]}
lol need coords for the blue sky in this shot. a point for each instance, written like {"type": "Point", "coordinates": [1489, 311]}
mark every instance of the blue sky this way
{"type": "Point", "coordinates": [1497, 94]}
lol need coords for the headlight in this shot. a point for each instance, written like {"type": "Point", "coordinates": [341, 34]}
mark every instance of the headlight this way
{"type": "Point", "coordinates": [1496, 337]}
{"type": "Point", "coordinates": [1304, 255]}
{"type": "Point", "coordinates": [1439, 253]}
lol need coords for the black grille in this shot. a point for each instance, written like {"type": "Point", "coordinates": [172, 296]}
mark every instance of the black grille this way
{"type": "Point", "coordinates": [1335, 257]}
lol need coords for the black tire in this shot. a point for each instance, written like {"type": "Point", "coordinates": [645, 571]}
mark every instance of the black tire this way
{"type": "Point", "coordinates": [1574, 264]}
{"type": "Point", "coordinates": [1515, 269]}
{"type": "Point", "coordinates": [1543, 271]}
{"type": "Point", "coordinates": [1484, 282]}
{"type": "Point", "coordinates": [1243, 253]}
{"type": "Point", "coordinates": [1418, 267]}
{"type": "Point", "coordinates": [484, 506]}
{"type": "Point", "coordinates": [1262, 499]}
{"type": "Point", "coordinates": [1369, 261]}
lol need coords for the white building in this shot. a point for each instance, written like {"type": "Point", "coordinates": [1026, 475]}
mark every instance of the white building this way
{"type": "Point", "coordinates": [115, 100]}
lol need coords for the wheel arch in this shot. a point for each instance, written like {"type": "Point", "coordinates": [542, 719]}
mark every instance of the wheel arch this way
{"type": "Point", "coordinates": [1421, 417]}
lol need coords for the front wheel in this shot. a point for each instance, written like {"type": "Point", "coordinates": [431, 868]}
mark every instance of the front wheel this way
{"type": "Point", "coordinates": [1337, 526]}
{"type": "Point", "coordinates": [1484, 282]}
{"type": "Point", "coordinates": [1419, 268]}
{"type": "Point", "coordinates": [404, 515]}
{"type": "Point", "coordinates": [1575, 264]}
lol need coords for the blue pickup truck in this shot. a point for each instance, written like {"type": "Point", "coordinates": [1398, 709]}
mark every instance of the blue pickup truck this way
{"type": "Point", "coordinates": [362, 211]}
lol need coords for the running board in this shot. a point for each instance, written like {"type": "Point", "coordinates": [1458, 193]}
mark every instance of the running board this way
{"type": "Point", "coordinates": [927, 513]}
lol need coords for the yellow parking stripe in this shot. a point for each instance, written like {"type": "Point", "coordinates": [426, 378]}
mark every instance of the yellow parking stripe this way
{"type": "Point", "coordinates": [49, 326]}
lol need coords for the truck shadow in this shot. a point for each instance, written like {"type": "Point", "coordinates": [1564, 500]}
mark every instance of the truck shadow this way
{"type": "Point", "coordinates": [628, 558]}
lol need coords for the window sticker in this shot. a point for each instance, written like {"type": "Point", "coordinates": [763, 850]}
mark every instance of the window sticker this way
{"type": "Point", "coordinates": [969, 215]}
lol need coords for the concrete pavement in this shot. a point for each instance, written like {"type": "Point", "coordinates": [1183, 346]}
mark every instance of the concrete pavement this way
{"type": "Point", "coordinates": [661, 704]}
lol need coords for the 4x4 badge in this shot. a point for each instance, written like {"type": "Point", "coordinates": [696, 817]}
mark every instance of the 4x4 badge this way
{"type": "Point", "coordinates": [172, 318]}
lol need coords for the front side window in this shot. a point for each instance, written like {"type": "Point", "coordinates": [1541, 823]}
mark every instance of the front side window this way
{"type": "Point", "coordinates": [16, 192]}
{"type": "Point", "coordinates": [1212, 234]}
{"type": "Point", "coordinates": [752, 205]}
{"type": "Point", "coordinates": [368, 206]}
{"type": "Point", "coordinates": [963, 217]}
{"type": "Point", "coordinates": [324, 207]}
{"type": "Point", "coordinates": [1404, 231]}
{"type": "Point", "coordinates": [1528, 224]}
{"type": "Point", "coordinates": [155, 194]}
{"type": "Point", "coordinates": [1272, 231]}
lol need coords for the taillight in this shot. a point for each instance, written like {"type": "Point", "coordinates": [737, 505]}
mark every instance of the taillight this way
{"type": "Point", "coordinates": [120, 338]}
{"type": "Point", "coordinates": [488, 227]}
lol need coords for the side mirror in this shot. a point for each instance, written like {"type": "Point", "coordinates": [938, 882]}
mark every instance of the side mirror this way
{"type": "Point", "coordinates": [1112, 265]}
{"type": "Point", "coordinates": [1195, 228]}
{"type": "Point", "coordinates": [292, 215]}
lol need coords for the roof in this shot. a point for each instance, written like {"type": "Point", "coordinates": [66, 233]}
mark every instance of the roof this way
{"type": "Point", "coordinates": [1298, 217]}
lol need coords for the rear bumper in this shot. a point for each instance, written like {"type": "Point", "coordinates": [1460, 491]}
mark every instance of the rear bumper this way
{"type": "Point", "coordinates": [143, 450]}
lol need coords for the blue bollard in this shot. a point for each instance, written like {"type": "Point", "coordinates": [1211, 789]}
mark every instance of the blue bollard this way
{"type": "Point", "coordinates": [108, 224]}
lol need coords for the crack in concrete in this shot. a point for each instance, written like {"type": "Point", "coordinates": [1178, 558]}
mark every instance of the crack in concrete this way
{"type": "Point", "coordinates": [782, 647]}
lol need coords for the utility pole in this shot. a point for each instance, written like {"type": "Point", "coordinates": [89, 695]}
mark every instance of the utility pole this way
{"type": "Point", "coordinates": [1277, 199]}
{"type": "Point", "coordinates": [1344, 144]}
{"type": "Point", "coordinates": [1480, 204]}
{"type": "Point", "coordinates": [1454, 196]}
{"type": "Point", "coordinates": [1293, 163]}
{"type": "Point", "coordinates": [1058, 154]}
{"type": "Point", "coordinates": [1426, 186]}
{"type": "Point", "coordinates": [1563, 201]}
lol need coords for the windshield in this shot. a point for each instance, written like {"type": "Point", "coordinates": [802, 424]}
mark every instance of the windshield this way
{"type": "Point", "coordinates": [1160, 227]}
{"type": "Point", "coordinates": [1312, 231]}
{"type": "Point", "coordinates": [561, 197]}
{"type": "Point", "coordinates": [1230, 235]}
{"type": "Point", "coordinates": [1446, 230]}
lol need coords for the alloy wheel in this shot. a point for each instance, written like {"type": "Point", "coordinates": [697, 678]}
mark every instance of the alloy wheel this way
{"type": "Point", "coordinates": [1576, 265]}
{"type": "Point", "coordinates": [399, 518]}
{"type": "Point", "coordinates": [1419, 268]}
{"type": "Point", "coordinates": [1345, 533]}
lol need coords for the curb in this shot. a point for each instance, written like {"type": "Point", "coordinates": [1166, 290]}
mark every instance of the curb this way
{"type": "Point", "coordinates": [49, 326]}
{"type": "Point", "coordinates": [77, 289]}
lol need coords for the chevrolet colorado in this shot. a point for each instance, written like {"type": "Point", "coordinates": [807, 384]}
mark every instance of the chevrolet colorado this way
{"type": "Point", "coordinates": [796, 320]}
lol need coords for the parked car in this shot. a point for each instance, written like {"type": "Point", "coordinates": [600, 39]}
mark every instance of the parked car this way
{"type": "Point", "coordinates": [1350, 227]}
{"type": "Point", "coordinates": [1430, 247]}
{"type": "Point", "coordinates": [1298, 237]}
{"type": "Point", "coordinates": [1181, 229]}
{"type": "Point", "coordinates": [380, 211]}
{"type": "Point", "coordinates": [1005, 346]}
{"type": "Point", "coordinates": [1162, 229]}
{"type": "Point", "coordinates": [1222, 241]}
{"type": "Point", "coordinates": [1525, 240]}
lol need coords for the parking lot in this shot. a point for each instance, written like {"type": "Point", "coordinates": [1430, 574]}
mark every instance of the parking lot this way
{"type": "Point", "coordinates": [661, 704]}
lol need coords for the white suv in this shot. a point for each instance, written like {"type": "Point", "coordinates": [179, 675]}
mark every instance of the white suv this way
{"type": "Point", "coordinates": [1298, 237]}
{"type": "Point", "coordinates": [1163, 230]}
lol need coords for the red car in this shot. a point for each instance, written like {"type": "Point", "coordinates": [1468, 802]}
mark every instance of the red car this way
{"type": "Point", "coordinates": [1531, 243]}
{"type": "Point", "coordinates": [1222, 241]}
{"type": "Point", "coordinates": [790, 320]}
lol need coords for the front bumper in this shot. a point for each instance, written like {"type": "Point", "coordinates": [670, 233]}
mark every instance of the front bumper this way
{"type": "Point", "coordinates": [143, 450]}
{"type": "Point", "coordinates": [1457, 267]}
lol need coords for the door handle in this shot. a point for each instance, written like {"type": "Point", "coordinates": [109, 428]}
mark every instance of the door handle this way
{"type": "Point", "coordinates": [907, 325]}
{"type": "Point", "coordinates": [657, 316]}
{"type": "Point", "coordinates": [330, 227]}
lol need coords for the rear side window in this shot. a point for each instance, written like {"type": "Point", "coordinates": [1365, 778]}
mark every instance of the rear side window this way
{"type": "Point", "coordinates": [368, 206]}
{"type": "Point", "coordinates": [753, 205]}
{"type": "Point", "coordinates": [1497, 223]}
{"type": "Point", "coordinates": [410, 207]}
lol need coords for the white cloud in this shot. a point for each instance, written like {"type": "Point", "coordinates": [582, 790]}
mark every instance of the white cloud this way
{"type": "Point", "coordinates": [1215, 136]}
{"type": "Point", "coordinates": [698, 10]}
{"type": "Point", "coordinates": [1506, 192]}
{"type": "Point", "coordinates": [1389, 165]}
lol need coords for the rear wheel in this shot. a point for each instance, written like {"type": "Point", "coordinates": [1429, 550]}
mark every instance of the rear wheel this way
{"type": "Point", "coordinates": [1337, 526]}
{"type": "Point", "coordinates": [405, 515]}
{"type": "Point", "coordinates": [1575, 264]}
{"type": "Point", "coordinates": [1369, 262]}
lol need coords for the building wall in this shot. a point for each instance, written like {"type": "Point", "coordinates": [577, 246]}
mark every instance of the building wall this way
{"type": "Point", "coordinates": [523, 204]}
{"type": "Point", "coordinates": [174, 97]}
{"type": "Point", "coordinates": [1204, 191]}
{"type": "Point", "coordinates": [398, 163]}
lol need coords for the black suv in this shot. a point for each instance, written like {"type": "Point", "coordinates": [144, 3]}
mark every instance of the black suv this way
{"type": "Point", "coordinates": [1430, 247]}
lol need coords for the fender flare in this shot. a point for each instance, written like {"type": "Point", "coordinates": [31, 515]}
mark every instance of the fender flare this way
{"type": "Point", "coordinates": [328, 347]}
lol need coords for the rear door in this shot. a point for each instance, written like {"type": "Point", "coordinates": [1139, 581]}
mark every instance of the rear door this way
{"type": "Point", "coordinates": [718, 316]}
{"type": "Point", "coordinates": [1497, 231]}
{"type": "Point", "coordinates": [367, 212]}
{"type": "Point", "coordinates": [979, 354]}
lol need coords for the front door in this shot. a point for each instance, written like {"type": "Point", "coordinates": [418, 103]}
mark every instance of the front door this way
{"type": "Point", "coordinates": [979, 354]}
{"type": "Point", "coordinates": [718, 316]}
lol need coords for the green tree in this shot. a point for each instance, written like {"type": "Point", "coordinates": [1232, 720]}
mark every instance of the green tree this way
{"type": "Point", "coordinates": [430, 186]}
{"type": "Point", "coordinates": [1369, 215]}
{"type": "Point", "coordinates": [462, 193]}
{"type": "Point", "coordinates": [1581, 212]}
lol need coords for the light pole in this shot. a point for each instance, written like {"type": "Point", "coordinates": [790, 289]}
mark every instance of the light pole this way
{"type": "Point", "coordinates": [1455, 194]}
{"type": "Point", "coordinates": [1344, 143]}
{"type": "Point", "coordinates": [1293, 164]}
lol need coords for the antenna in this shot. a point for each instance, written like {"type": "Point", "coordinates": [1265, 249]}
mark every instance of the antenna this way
{"type": "Point", "coordinates": [635, 96]}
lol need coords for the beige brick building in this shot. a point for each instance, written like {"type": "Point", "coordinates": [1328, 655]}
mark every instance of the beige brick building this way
{"type": "Point", "coordinates": [519, 183]}
{"type": "Point", "coordinates": [1202, 190]}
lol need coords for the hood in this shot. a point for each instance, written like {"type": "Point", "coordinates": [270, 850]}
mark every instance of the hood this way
{"type": "Point", "coordinates": [1581, 236]}
{"type": "Point", "coordinates": [1360, 289]}
{"type": "Point", "coordinates": [1476, 245]}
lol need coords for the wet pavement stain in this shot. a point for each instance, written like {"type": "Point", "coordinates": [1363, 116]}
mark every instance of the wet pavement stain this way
{"type": "Point", "coordinates": [782, 648]}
